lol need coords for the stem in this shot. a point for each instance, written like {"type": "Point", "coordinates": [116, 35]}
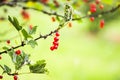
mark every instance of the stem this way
{"type": "Point", "coordinates": [20, 36]}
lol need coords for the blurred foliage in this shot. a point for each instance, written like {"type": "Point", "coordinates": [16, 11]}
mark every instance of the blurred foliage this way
{"type": "Point", "coordinates": [80, 56]}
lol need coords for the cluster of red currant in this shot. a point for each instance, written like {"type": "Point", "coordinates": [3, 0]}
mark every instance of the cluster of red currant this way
{"type": "Point", "coordinates": [55, 42]}
{"type": "Point", "coordinates": [93, 9]}
{"type": "Point", "coordinates": [93, 6]}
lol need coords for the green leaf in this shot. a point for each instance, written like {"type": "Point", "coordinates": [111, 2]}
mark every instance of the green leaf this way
{"type": "Point", "coordinates": [25, 57]}
{"type": "Point", "coordinates": [38, 67]}
{"type": "Point", "coordinates": [15, 23]}
{"type": "Point", "coordinates": [33, 30]}
{"type": "Point", "coordinates": [5, 48]}
{"type": "Point", "coordinates": [25, 34]}
{"type": "Point", "coordinates": [12, 55]}
{"type": "Point", "coordinates": [33, 43]}
{"type": "Point", "coordinates": [7, 69]}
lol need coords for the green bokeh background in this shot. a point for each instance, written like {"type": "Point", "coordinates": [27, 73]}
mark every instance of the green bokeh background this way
{"type": "Point", "coordinates": [82, 55]}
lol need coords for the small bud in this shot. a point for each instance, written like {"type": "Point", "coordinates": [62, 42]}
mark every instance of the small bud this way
{"type": "Point", "coordinates": [8, 41]}
{"type": "Point", "coordinates": [53, 19]}
{"type": "Point", "coordinates": [101, 6]}
{"type": "Point", "coordinates": [69, 24]}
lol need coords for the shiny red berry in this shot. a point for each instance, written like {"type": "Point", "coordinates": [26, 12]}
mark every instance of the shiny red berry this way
{"type": "Point", "coordinates": [52, 48]}
{"type": "Point", "coordinates": [92, 10]}
{"type": "Point", "coordinates": [102, 23]}
{"type": "Point", "coordinates": [18, 52]}
{"type": "Point", "coordinates": [1, 76]}
{"type": "Point", "coordinates": [15, 77]}
{"type": "Point", "coordinates": [55, 46]}
{"type": "Point", "coordinates": [8, 41]}
{"type": "Point", "coordinates": [92, 19]}
{"type": "Point", "coordinates": [55, 43]}
{"type": "Point", "coordinates": [57, 34]}
{"type": "Point", "coordinates": [93, 7]}
{"type": "Point", "coordinates": [56, 39]}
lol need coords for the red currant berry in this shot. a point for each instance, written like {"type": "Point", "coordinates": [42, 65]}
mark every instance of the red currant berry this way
{"type": "Point", "coordinates": [8, 41]}
{"type": "Point", "coordinates": [93, 7]}
{"type": "Point", "coordinates": [15, 77]}
{"type": "Point", "coordinates": [55, 43]}
{"type": "Point", "coordinates": [25, 15]}
{"type": "Point", "coordinates": [102, 22]}
{"type": "Point", "coordinates": [1, 76]}
{"type": "Point", "coordinates": [53, 19]}
{"type": "Point", "coordinates": [92, 19]}
{"type": "Point", "coordinates": [52, 48]}
{"type": "Point", "coordinates": [97, 1]}
{"type": "Point", "coordinates": [57, 34]}
{"type": "Point", "coordinates": [18, 52]}
{"type": "Point", "coordinates": [56, 39]}
{"type": "Point", "coordinates": [93, 10]}
{"type": "Point", "coordinates": [55, 46]}
{"type": "Point", "coordinates": [101, 6]}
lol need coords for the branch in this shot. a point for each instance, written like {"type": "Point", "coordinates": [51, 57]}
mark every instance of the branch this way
{"type": "Point", "coordinates": [101, 13]}
{"type": "Point", "coordinates": [40, 37]}
{"type": "Point", "coordinates": [13, 4]}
